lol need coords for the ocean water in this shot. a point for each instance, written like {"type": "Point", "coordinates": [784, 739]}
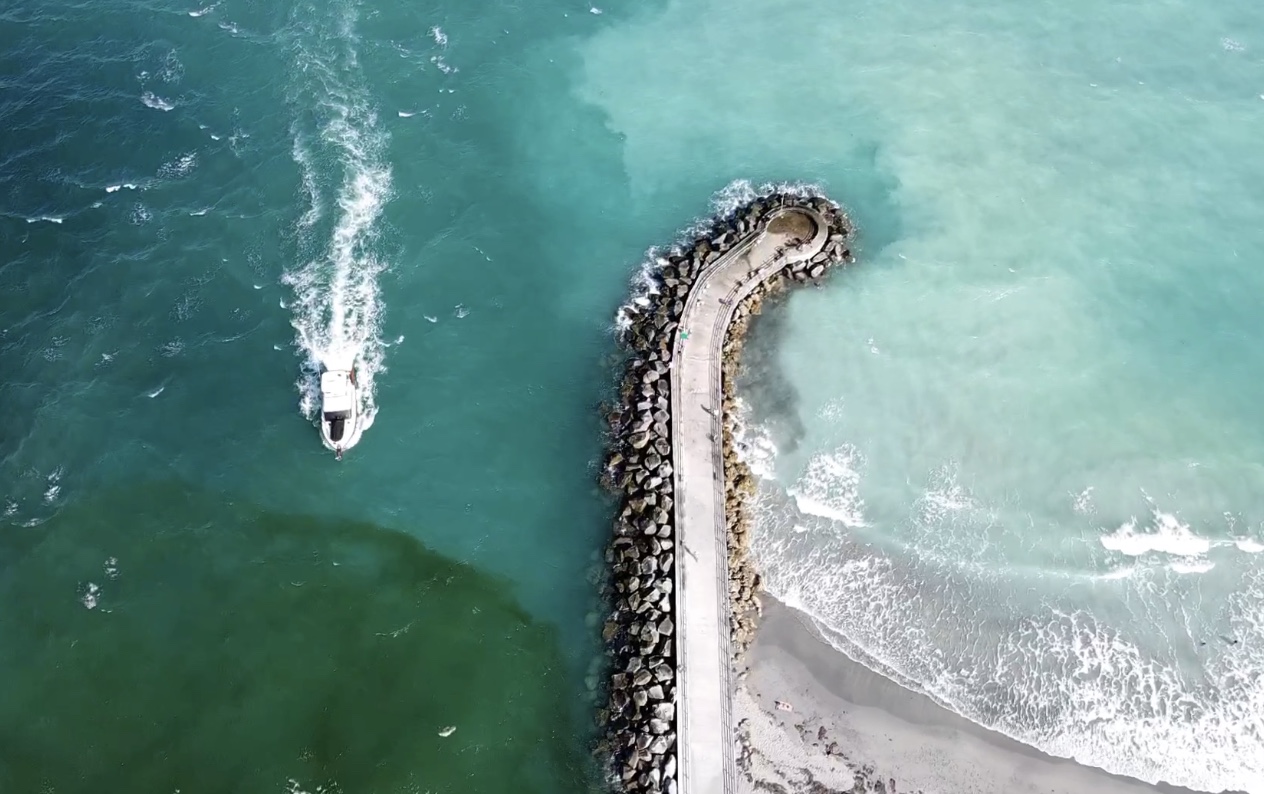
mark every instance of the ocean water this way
{"type": "Point", "coordinates": [1017, 439]}
{"type": "Point", "coordinates": [1012, 459]}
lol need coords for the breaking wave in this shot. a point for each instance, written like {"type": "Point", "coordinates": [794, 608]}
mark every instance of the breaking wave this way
{"type": "Point", "coordinates": [1116, 666]}
{"type": "Point", "coordinates": [340, 152]}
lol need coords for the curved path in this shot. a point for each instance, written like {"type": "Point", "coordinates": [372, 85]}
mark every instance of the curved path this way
{"type": "Point", "coordinates": [704, 662]}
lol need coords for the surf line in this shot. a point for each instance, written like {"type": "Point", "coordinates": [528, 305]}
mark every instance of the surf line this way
{"type": "Point", "coordinates": [678, 625]}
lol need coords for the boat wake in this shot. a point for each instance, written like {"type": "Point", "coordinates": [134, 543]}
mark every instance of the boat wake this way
{"type": "Point", "coordinates": [340, 151]}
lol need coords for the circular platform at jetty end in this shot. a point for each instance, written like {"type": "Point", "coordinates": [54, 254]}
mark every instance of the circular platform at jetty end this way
{"type": "Point", "coordinates": [793, 225]}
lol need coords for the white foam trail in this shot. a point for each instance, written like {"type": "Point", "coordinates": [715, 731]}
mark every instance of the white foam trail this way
{"type": "Point", "coordinates": [1118, 573]}
{"type": "Point", "coordinates": [337, 308]}
{"type": "Point", "coordinates": [1169, 536]}
{"type": "Point", "coordinates": [1195, 566]}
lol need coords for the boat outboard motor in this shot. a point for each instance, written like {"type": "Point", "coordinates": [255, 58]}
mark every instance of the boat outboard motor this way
{"type": "Point", "coordinates": [337, 423]}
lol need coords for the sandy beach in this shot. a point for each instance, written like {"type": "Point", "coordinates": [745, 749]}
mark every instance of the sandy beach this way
{"type": "Point", "coordinates": [843, 728]}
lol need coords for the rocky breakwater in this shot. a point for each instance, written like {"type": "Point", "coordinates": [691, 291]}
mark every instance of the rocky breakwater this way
{"type": "Point", "coordinates": [739, 480]}
{"type": "Point", "coordinates": [638, 736]}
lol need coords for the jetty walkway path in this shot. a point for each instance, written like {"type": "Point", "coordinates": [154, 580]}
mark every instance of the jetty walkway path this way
{"type": "Point", "coordinates": [704, 661]}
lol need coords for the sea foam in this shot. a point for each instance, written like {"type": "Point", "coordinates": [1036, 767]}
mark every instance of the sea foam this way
{"type": "Point", "coordinates": [1166, 534]}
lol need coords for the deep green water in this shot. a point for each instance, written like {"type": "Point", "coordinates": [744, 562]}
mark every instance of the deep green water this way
{"type": "Point", "coordinates": [238, 649]}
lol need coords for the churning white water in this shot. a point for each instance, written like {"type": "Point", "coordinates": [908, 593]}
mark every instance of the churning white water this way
{"type": "Point", "coordinates": [340, 152]}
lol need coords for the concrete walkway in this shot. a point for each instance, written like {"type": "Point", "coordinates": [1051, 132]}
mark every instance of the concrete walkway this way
{"type": "Point", "coordinates": [704, 669]}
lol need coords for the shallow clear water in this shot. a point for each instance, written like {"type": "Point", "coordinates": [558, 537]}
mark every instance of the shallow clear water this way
{"type": "Point", "coordinates": [200, 203]}
{"type": "Point", "coordinates": [1017, 462]}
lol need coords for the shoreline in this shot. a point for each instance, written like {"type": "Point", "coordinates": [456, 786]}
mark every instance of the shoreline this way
{"type": "Point", "coordinates": [852, 730]}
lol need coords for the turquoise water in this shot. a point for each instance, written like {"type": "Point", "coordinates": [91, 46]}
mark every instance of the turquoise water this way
{"type": "Point", "coordinates": [199, 204]}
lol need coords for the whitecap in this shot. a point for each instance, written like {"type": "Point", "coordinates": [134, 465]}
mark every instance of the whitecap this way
{"type": "Point", "coordinates": [155, 392]}
{"type": "Point", "coordinates": [90, 595]}
{"type": "Point", "coordinates": [830, 487]}
{"type": "Point", "coordinates": [461, 311]}
{"type": "Point", "coordinates": [46, 219]}
{"type": "Point", "coordinates": [1166, 535]}
{"type": "Point", "coordinates": [439, 36]}
{"type": "Point", "coordinates": [152, 100]}
{"type": "Point", "coordinates": [201, 12]}
{"type": "Point", "coordinates": [1249, 545]}
{"type": "Point", "coordinates": [406, 114]}
{"type": "Point", "coordinates": [443, 66]}
{"type": "Point", "coordinates": [178, 167]}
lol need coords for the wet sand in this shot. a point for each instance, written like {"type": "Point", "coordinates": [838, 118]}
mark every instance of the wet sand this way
{"type": "Point", "coordinates": [851, 730]}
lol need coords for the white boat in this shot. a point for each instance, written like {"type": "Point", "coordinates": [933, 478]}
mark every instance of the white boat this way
{"type": "Point", "coordinates": [339, 408]}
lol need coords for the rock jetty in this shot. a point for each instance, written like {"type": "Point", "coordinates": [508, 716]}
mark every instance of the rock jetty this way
{"type": "Point", "coordinates": [638, 742]}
